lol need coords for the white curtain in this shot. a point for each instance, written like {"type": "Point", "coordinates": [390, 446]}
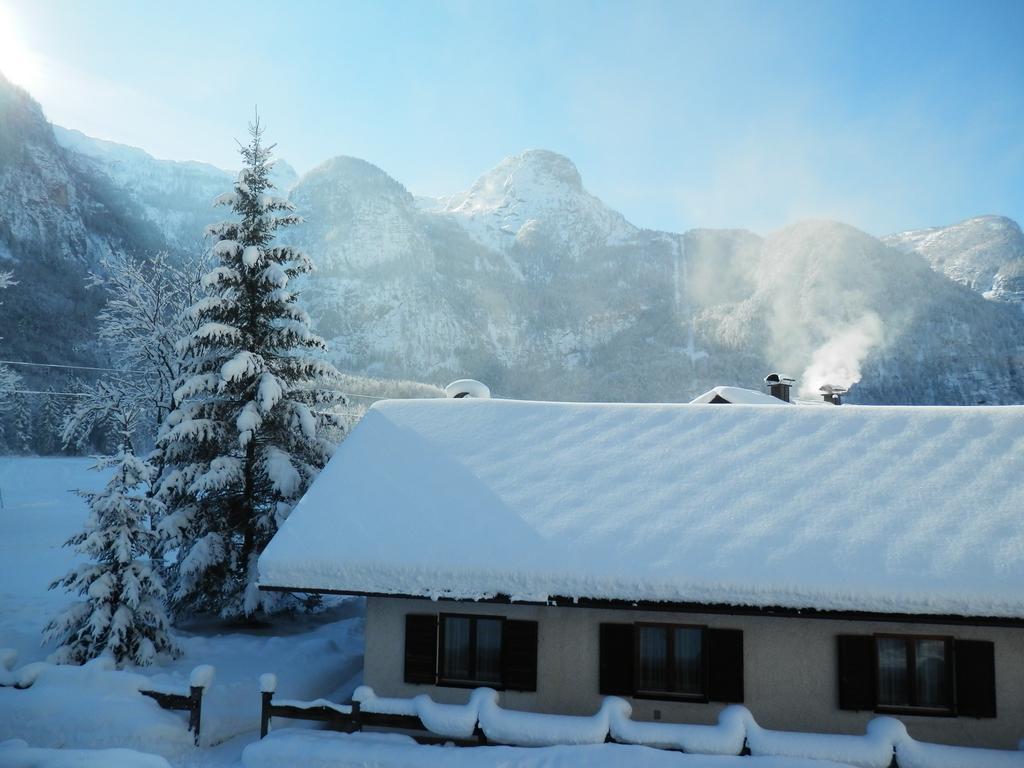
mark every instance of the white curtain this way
{"type": "Point", "coordinates": [653, 658]}
{"type": "Point", "coordinates": [456, 648]}
{"type": "Point", "coordinates": [686, 675]}
{"type": "Point", "coordinates": [931, 673]}
{"type": "Point", "coordinates": [892, 672]}
{"type": "Point", "coordinates": [488, 650]}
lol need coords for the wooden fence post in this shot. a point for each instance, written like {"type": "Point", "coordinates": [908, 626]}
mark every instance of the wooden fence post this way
{"type": "Point", "coordinates": [265, 713]}
{"type": "Point", "coordinates": [357, 716]}
{"type": "Point", "coordinates": [195, 717]}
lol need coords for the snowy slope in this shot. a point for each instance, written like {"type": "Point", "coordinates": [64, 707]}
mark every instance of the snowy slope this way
{"type": "Point", "coordinates": [888, 509]}
{"type": "Point", "coordinates": [985, 253]}
{"type": "Point", "coordinates": [95, 708]}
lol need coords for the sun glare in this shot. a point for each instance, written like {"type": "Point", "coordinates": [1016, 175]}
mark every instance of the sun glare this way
{"type": "Point", "coordinates": [17, 63]}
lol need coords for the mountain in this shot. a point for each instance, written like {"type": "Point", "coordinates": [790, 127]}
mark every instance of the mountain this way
{"type": "Point", "coordinates": [57, 221]}
{"type": "Point", "coordinates": [534, 285]}
{"type": "Point", "coordinates": [985, 253]}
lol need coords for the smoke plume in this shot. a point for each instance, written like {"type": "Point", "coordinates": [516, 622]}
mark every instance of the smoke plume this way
{"type": "Point", "coordinates": [837, 361]}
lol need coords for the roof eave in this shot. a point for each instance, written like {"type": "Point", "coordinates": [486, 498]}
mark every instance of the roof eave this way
{"type": "Point", "coordinates": [771, 611]}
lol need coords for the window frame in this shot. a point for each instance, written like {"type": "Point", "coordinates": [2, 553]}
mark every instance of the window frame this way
{"type": "Point", "coordinates": [643, 693]}
{"type": "Point", "coordinates": [452, 682]}
{"type": "Point", "coordinates": [910, 641]}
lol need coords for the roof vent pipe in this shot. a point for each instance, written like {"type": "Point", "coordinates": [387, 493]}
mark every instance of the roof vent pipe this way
{"type": "Point", "coordinates": [779, 386]}
{"type": "Point", "coordinates": [467, 388]}
{"type": "Point", "coordinates": [832, 394]}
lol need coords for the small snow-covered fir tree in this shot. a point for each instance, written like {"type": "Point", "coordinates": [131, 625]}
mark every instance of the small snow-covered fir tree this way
{"type": "Point", "coordinates": [123, 611]}
{"type": "Point", "coordinates": [245, 439]}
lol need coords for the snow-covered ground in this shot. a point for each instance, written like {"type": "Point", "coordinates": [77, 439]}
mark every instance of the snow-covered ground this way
{"type": "Point", "coordinates": [93, 707]}
{"type": "Point", "coordinates": [376, 750]}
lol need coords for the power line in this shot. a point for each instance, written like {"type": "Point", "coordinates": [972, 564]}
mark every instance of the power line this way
{"type": "Point", "coordinates": [75, 367]}
{"type": "Point", "coordinates": [43, 392]}
{"type": "Point", "coordinates": [116, 370]}
{"type": "Point", "coordinates": [89, 394]}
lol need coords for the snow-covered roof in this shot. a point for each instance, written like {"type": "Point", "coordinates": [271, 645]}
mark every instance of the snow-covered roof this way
{"type": "Point", "coordinates": [738, 396]}
{"type": "Point", "coordinates": [859, 508]}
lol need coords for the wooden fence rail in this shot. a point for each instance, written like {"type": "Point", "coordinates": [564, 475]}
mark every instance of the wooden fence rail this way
{"type": "Point", "coordinates": [192, 703]}
{"type": "Point", "coordinates": [356, 719]}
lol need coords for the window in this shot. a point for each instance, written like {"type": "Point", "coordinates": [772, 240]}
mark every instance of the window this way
{"type": "Point", "coordinates": [470, 649]}
{"type": "Point", "coordinates": [917, 674]}
{"type": "Point", "coordinates": [670, 660]}
{"type": "Point", "coordinates": [914, 672]}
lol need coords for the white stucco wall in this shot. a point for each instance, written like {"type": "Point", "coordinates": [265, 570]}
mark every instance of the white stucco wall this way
{"type": "Point", "coordinates": [790, 668]}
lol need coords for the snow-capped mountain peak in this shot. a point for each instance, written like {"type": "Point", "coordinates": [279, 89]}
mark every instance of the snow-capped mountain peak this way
{"type": "Point", "coordinates": [536, 196]}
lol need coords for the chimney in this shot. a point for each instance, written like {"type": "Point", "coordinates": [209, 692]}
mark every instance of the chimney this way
{"type": "Point", "coordinates": [832, 394]}
{"type": "Point", "coordinates": [779, 386]}
{"type": "Point", "coordinates": [467, 388]}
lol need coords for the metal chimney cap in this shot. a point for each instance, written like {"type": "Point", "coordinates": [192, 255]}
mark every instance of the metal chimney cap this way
{"type": "Point", "coordinates": [778, 378]}
{"type": "Point", "coordinates": [467, 388]}
{"type": "Point", "coordinates": [832, 389]}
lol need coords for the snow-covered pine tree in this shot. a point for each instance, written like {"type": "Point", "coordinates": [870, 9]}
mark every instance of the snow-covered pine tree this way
{"type": "Point", "coordinates": [19, 437]}
{"type": "Point", "coordinates": [123, 611]}
{"type": "Point", "coordinates": [245, 439]}
{"type": "Point", "coordinates": [9, 380]}
{"type": "Point", "coordinates": [49, 423]}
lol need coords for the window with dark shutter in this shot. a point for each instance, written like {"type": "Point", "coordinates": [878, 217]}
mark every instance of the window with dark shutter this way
{"type": "Point", "coordinates": [725, 664]}
{"type": "Point", "coordinates": [420, 648]}
{"type": "Point", "coordinates": [975, 678]}
{"type": "Point", "coordinates": [616, 660]}
{"type": "Point", "coordinates": [670, 662]}
{"type": "Point", "coordinates": [917, 674]}
{"type": "Point", "coordinates": [914, 674]}
{"type": "Point", "coordinates": [470, 650]}
{"type": "Point", "coordinates": [856, 672]}
{"type": "Point", "coordinates": [519, 655]}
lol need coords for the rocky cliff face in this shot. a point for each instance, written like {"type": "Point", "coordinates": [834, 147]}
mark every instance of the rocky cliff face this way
{"type": "Point", "coordinates": [174, 196]}
{"type": "Point", "coordinates": [57, 221]}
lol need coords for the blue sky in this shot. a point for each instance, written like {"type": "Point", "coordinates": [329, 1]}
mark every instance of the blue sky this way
{"type": "Point", "coordinates": [888, 115]}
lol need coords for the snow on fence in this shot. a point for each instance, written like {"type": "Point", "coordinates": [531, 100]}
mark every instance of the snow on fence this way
{"type": "Point", "coordinates": [444, 722]}
{"type": "Point", "coordinates": [886, 744]}
{"type": "Point", "coordinates": [191, 702]}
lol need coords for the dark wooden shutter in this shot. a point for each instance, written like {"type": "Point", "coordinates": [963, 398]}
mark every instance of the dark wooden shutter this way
{"type": "Point", "coordinates": [420, 648]}
{"type": "Point", "coordinates": [724, 648]}
{"type": "Point", "coordinates": [975, 678]}
{"type": "Point", "coordinates": [616, 660]}
{"type": "Point", "coordinates": [856, 672]}
{"type": "Point", "coordinates": [519, 655]}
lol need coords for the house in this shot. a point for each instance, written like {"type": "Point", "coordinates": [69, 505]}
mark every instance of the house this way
{"type": "Point", "coordinates": [819, 564]}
